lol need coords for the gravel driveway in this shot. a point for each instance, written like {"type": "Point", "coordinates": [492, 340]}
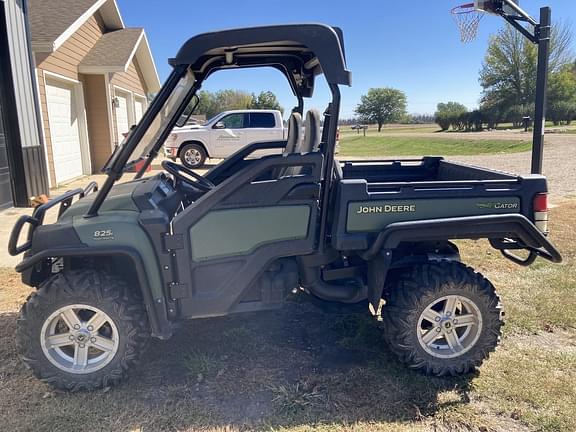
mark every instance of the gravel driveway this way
{"type": "Point", "coordinates": [559, 162]}
{"type": "Point", "coordinates": [559, 157]}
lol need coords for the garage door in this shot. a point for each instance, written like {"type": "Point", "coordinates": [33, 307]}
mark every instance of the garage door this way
{"type": "Point", "coordinates": [139, 108]}
{"type": "Point", "coordinates": [122, 117]}
{"type": "Point", "coordinates": [64, 130]}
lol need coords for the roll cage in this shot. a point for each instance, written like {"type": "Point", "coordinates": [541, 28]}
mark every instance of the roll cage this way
{"type": "Point", "coordinates": [299, 51]}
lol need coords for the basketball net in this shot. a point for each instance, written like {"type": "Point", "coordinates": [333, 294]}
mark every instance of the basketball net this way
{"type": "Point", "coordinates": [467, 19]}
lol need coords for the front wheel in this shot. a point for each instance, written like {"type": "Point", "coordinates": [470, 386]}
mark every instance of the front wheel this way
{"type": "Point", "coordinates": [193, 156]}
{"type": "Point", "coordinates": [442, 318]}
{"type": "Point", "coordinates": [82, 329]}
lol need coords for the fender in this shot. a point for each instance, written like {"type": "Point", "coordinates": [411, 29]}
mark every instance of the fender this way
{"type": "Point", "coordinates": [517, 227]}
{"type": "Point", "coordinates": [160, 326]}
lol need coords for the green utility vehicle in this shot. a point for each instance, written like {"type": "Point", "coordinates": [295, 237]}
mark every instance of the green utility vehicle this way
{"type": "Point", "coordinates": [129, 260]}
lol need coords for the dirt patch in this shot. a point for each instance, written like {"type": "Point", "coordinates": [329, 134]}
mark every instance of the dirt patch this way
{"type": "Point", "coordinates": [555, 340]}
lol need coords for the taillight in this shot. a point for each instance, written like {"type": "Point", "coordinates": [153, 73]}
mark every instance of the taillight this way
{"type": "Point", "coordinates": [540, 205]}
{"type": "Point", "coordinates": [541, 202]}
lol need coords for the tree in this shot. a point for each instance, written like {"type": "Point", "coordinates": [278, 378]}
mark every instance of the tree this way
{"type": "Point", "coordinates": [382, 105]}
{"type": "Point", "coordinates": [562, 95]}
{"type": "Point", "coordinates": [211, 104]}
{"type": "Point", "coordinates": [508, 74]}
{"type": "Point", "coordinates": [233, 100]}
{"type": "Point", "coordinates": [266, 100]}
{"type": "Point", "coordinates": [449, 114]}
{"type": "Point", "coordinates": [224, 100]}
{"type": "Point", "coordinates": [207, 104]}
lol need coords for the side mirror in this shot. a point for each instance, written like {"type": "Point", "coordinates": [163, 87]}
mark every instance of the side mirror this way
{"type": "Point", "coordinates": [220, 125]}
{"type": "Point", "coordinates": [188, 111]}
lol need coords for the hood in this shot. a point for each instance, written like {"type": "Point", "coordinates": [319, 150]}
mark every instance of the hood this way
{"type": "Point", "coordinates": [119, 198]}
{"type": "Point", "coordinates": [188, 128]}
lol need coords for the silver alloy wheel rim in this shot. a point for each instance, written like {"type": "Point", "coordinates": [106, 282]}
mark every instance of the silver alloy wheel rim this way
{"type": "Point", "coordinates": [192, 157]}
{"type": "Point", "coordinates": [79, 339]}
{"type": "Point", "coordinates": [449, 327]}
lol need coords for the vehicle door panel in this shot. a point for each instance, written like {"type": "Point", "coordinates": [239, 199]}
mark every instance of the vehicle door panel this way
{"type": "Point", "coordinates": [237, 230]}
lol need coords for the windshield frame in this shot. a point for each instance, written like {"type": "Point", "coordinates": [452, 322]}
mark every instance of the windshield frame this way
{"type": "Point", "coordinates": [153, 130]}
{"type": "Point", "coordinates": [115, 166]}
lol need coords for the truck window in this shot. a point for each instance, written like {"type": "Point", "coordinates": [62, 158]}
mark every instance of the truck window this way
{"type": "Point", "coordinates": [234, 121]}
{"type": "Point", "coordinates": [262, 120]}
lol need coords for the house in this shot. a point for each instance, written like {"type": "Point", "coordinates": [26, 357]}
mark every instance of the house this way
{"type": "Point", "coordinates": [94, 78]}
{"type": "Point", "coordinates": [23, 172]}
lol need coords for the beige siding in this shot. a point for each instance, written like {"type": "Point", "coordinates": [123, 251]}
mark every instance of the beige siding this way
{"type": "Point", "coordinates": [131, 80]}
{"type": "Point", "coordinates": [97, 116]}
{"type": "Point", "coordinates": [64, 61]}
{"type": "Point", "coordinates": [45, 125]}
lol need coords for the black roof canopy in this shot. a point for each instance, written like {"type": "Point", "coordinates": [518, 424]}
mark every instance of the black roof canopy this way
{"type": "Point", "coordinates": [300, 51]}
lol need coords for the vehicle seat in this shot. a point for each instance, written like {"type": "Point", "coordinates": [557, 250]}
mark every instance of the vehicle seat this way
{"type": "Point", "coordinates": [293, 142]}
{"type": "Point", "coordinates": [311, 141]}
{"type": "Point", "coordinates": [293, 136]}
{"type": "Point", "coordinates": [312, 133]}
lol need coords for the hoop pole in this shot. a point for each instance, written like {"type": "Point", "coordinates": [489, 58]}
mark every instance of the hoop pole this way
{"type": "Point", "coordinates": [543, 35]}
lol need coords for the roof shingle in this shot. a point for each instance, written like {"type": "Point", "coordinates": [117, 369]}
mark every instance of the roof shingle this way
{"type": "Point", "coordinates": [113, 50]}
{"type": "Point", "coordinates": [49, 19]}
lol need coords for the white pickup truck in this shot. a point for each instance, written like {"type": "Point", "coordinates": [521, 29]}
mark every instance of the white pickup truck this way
{"type": "Point", "coordinates": [223, 135]}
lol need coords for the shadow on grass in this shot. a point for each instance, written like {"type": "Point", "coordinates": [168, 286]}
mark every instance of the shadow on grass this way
{"type": "Point", "coordinates": [295, 367]}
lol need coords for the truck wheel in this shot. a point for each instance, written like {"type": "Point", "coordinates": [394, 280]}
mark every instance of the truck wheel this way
{"type": "Point", "coordinates": [443, 318]}
{"type": "Point", "coordinates": [82, 330]}
{"type": "Point", "coordinates": [192, 155]}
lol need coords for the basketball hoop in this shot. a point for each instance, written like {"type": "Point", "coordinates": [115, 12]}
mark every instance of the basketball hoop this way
{"type": "Point", "coordinates": [467, 18]}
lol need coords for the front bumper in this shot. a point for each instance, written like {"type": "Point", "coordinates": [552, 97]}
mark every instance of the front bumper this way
{"type": "Point", "coordinates": [171, 152]}
{"type": "Point", "coordinates": [64, 201]}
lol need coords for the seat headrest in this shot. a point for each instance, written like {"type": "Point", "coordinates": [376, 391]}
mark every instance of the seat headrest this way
{"type": "Point", "coordinates": [312, 134]}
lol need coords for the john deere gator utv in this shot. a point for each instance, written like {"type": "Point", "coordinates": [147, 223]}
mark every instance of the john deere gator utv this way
{"type": "Point", "coordinates": [131, 259]}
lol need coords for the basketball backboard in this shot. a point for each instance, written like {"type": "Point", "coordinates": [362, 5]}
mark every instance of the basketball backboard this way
{"type": "Point", "coordinates": [498, 7]}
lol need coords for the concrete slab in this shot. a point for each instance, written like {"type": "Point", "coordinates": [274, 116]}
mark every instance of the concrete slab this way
{"type": "Point", "coordinates": [7, 219]}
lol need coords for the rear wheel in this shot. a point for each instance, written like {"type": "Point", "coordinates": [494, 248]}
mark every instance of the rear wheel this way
{"type": "Point", "coordinates": [442, 318]}
{"type": "Point", "coordinates": [193, 155]}
{"type": "Point", "coordinates": [82, 330]}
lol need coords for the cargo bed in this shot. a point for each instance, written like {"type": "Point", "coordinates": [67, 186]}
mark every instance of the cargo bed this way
{"type": "Point", "coordinates": [374, 194]}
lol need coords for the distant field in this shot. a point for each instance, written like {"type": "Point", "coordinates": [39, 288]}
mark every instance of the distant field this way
{"type": "Point", "coordinates": [345, 130]}
{"type": "Point", "coordinates": [396, 128]}
{"type": "Point", "coordinates": [382, 145]}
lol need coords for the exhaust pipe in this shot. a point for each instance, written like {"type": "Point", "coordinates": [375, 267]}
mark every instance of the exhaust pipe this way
{"type": "Point", "coordinates": [352, 291]}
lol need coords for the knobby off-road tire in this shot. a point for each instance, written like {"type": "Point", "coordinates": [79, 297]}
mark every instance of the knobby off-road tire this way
{"type": "Point", "coordinates": [193, 156]}
{"type": "Point", "coordinates": [107, 320]}
{"type": "Point", "coordinates": [441, 298]}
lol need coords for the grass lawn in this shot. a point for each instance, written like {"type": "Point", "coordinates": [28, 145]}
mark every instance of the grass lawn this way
{"type": "Point", "coordinates": [382, 145]}
{"type": "Point", "coordinates": [305, 369]}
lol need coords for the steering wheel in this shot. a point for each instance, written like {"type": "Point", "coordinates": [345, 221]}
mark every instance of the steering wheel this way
{"type": "Point", "coordinates": [199, 183]}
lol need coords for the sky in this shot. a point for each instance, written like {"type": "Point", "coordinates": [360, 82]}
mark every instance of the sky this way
{"type": "Point", "coordinates": [412, 46]}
